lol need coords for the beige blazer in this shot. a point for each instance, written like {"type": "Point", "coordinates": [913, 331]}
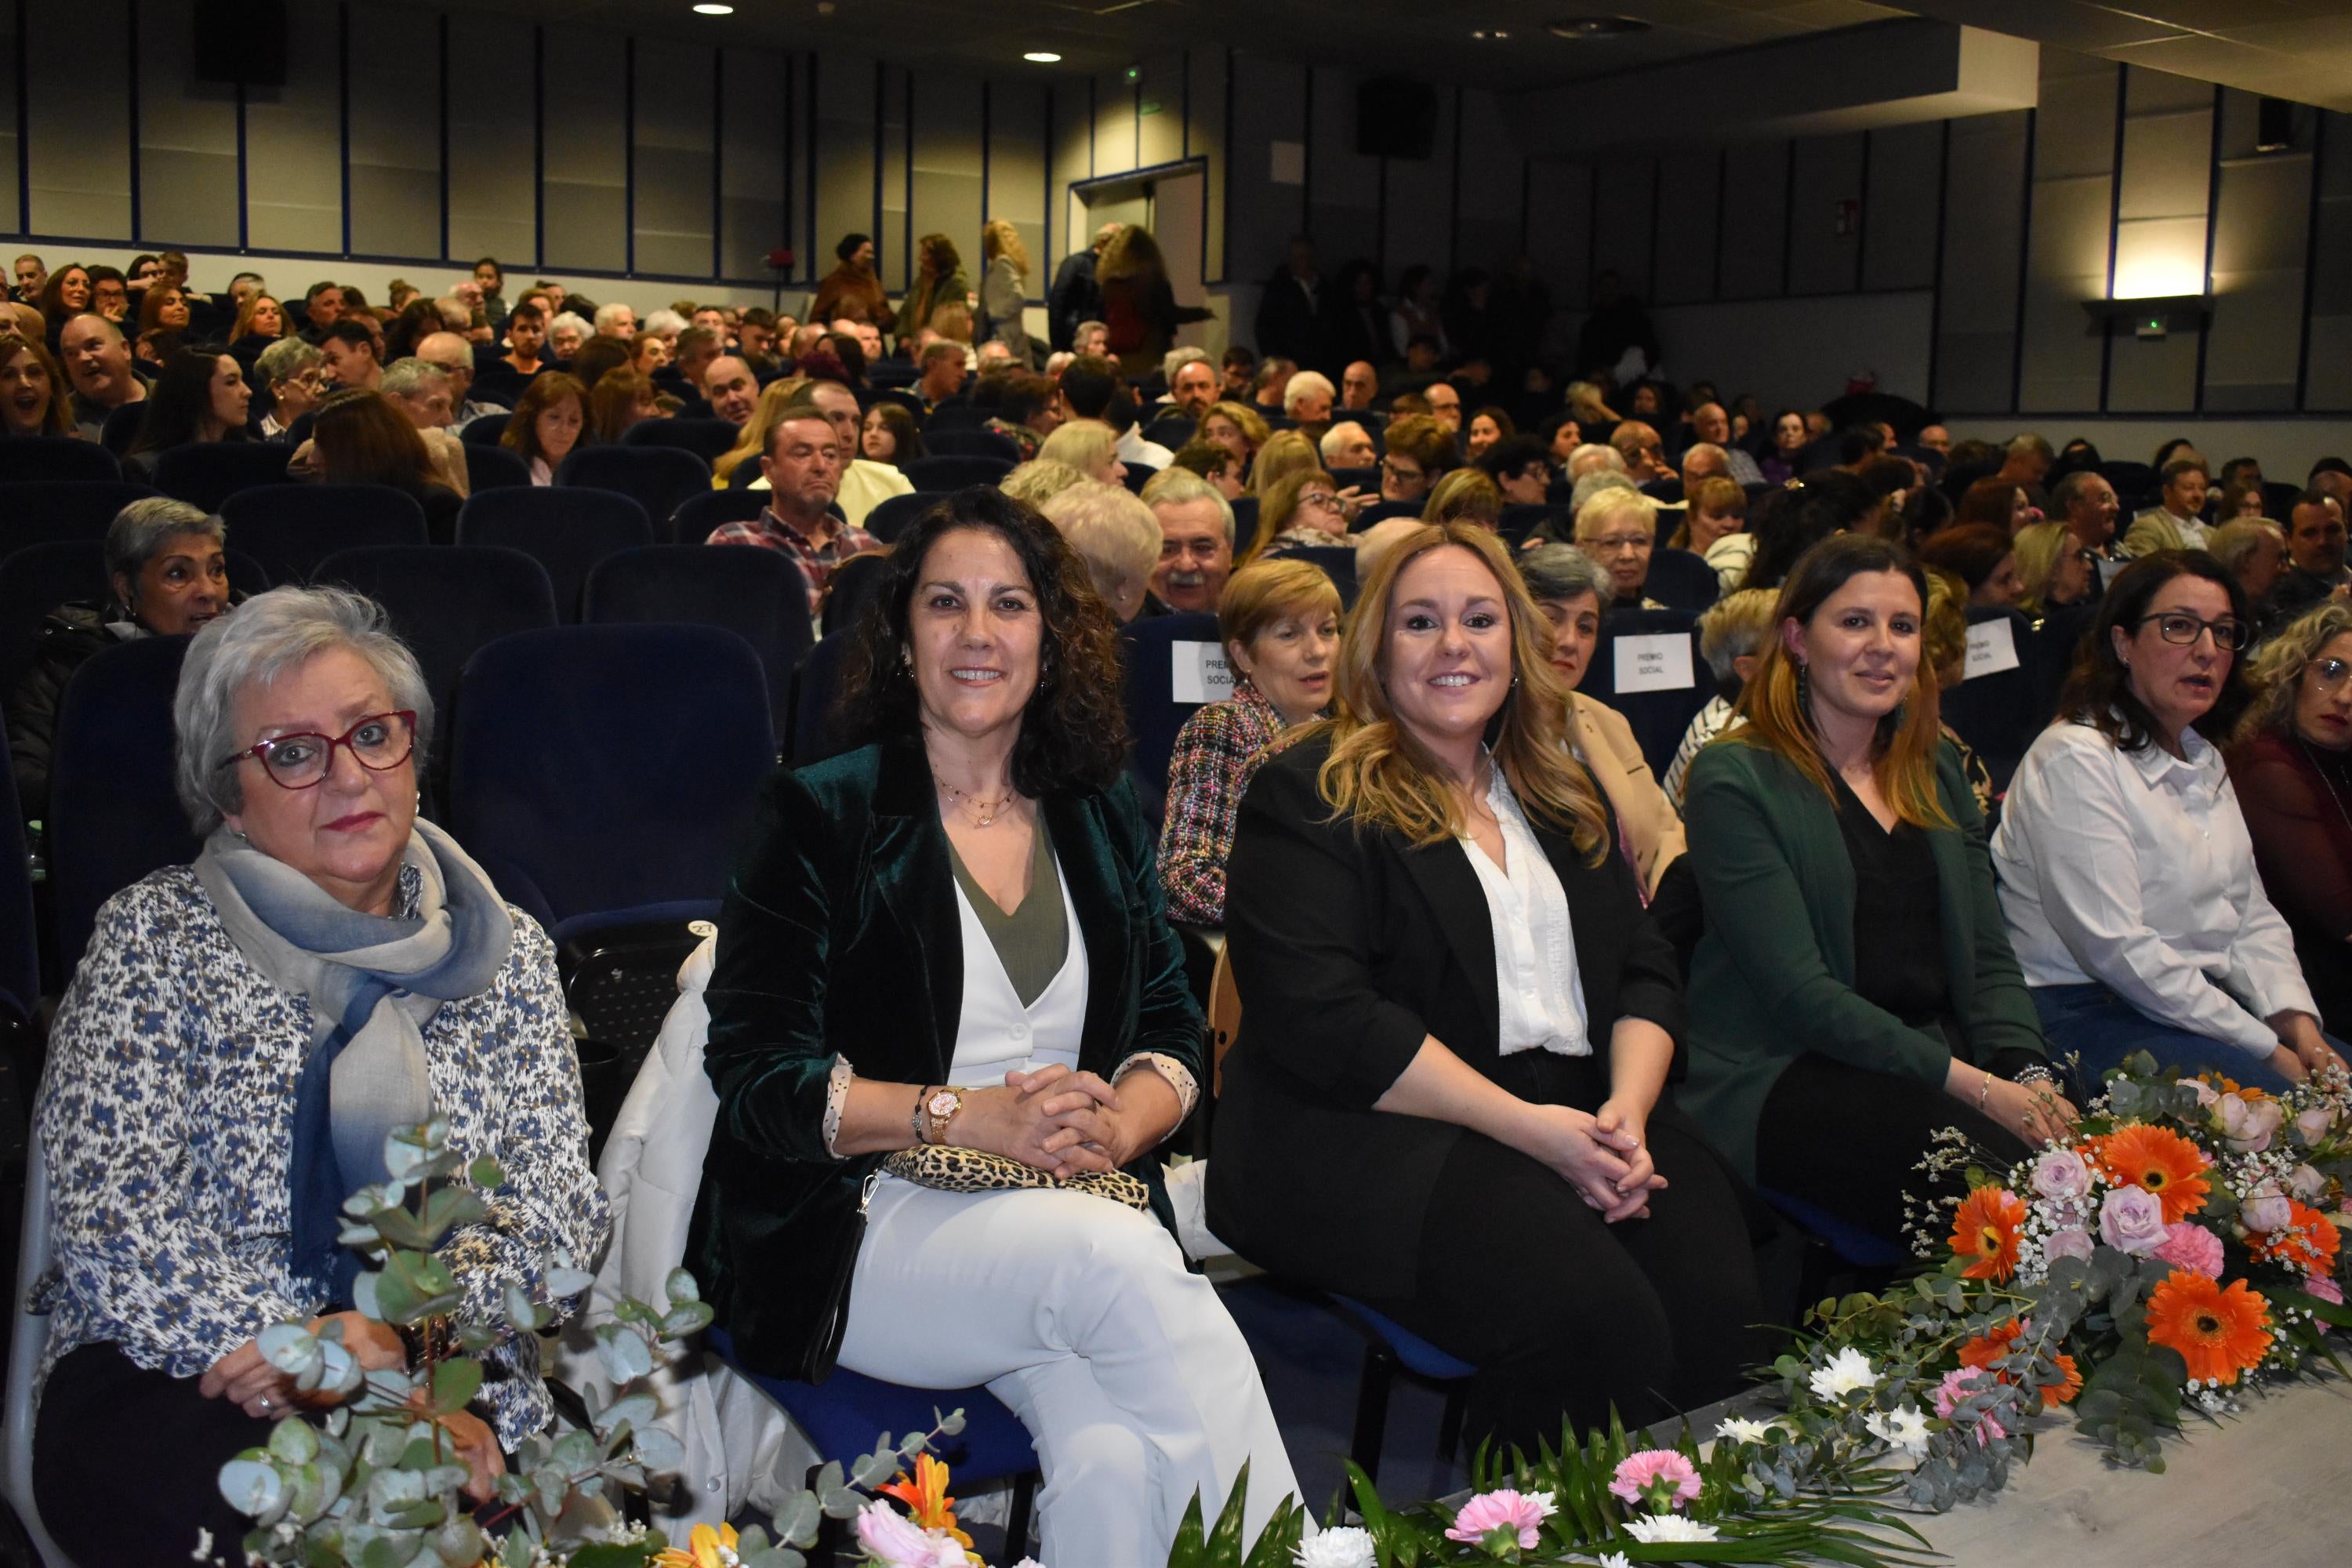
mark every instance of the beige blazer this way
{"type": "Point", "coordinates": [1652, 825]}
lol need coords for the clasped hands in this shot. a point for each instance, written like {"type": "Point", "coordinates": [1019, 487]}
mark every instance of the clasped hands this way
{"type": "Point", "coordinates": [1055, 1118]}
{"type": "Point", "coordinates": [1604, 1155]}
{"type": "Point", "coordinates": [246, 1378]}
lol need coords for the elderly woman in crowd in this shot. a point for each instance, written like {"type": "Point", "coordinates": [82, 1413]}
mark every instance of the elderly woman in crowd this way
{"type": "Point", "coordinates": [236, 1043]}
{"type": "Point", "coordinates": [34, 397]}
{"type": "Point", "coordinates": [987, 823]}
{"type": "Point", "coordinates": [1118, 537]}
{"type": "Point", "coordinates": [1088, 445]}
{"type": "Point", "coordinates": [294, 374]}
{"type": "Point", "coordinates": [169, 575]}
{"type": "Point", "coordinates": [1303, 510]}
{"type": "Point", "coordinates": [1457, 1025]}
{"type": "Point", "coordinates": [2053, 571]}
{"type": "Point", "coordinates": [1731, 638]}
{"type": "Point", "coordinates": [1852, 975]}
{"type": "Point", "coordinates": [2128, 876]}
{"type": "Point", "coordinates": [550, 419]}
{"type": "Point", "coordinates": [2292, 766]}
{"type": "Point", "coordinates": [1570, 588]}
{"type": "Point", "coordinates": [1279, 621]}
{"type": "Point", "coordinates": [1237, 428]}
{"type": "Point", "coordinates": [1619, 528]}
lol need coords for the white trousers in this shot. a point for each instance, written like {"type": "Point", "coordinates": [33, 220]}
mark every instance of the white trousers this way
{"type": "Point", "coordinates": [1077, 1313]}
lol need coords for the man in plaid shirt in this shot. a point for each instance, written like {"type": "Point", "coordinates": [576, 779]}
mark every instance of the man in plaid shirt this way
{"type": "Point", "coordinates": [803, 468]}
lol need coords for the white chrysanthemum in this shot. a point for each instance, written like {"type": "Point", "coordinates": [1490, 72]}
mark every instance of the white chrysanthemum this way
{"type": "Point", "coordinates": [1847, 1373]}
{"type": "Point", "coordinates": [1614, 1560]}
{"type": "Point", "coordinates": [1650, 1528]}
{"type": "Point", "coordinates": [1741, 1430]}
{"type": "Point", "coordinates": [1346, 1547]}
{"type": "Point", "coordinates": [1906, 1429]}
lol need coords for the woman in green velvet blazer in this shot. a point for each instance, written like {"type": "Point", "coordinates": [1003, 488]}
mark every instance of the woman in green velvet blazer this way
{"type": "Point", "coordinates": [1853, 990]}
{"type": "Point", "coordinates": [954, 936]}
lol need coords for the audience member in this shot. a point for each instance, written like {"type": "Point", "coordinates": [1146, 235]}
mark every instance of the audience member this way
{"type": "Point", "coordinates": [1785, 459]}
{"type": "Point", "coordinates": [293, 376]}
{"type": "Point", "coordinates": [1076, 298]}
{"type": "Point", "coordinates": [1279, 623]}
{"type": "Point", "coordinates": [1714, 526]}
{"type": "Point", "coordinates": [1519, 469]}
{"type": "Point", "coordinates": [888, 436]}
{"type": "Point", "coordinates": [98, 362]}
{"type": "Point", "coordinates": [2253, 550]}
{"type": "Point", "coordinates": [1359, 384]}
{"type": "Point", "coordinates": [1418, 450]}
{"type": "Point", "coordinates": [2241, 498]}
{"type": "Point", "coordinates": [361, 437]}
{"type": "Point", "coordinates": [1732, 633]}
{"type": "Point", "coordinates": [1944, 648]}
{"type": "Point", "coordinates": [66, 295]}
{"type": "Point", "coordinates": [851, 288]}
{"type": "Point", "coordinates": [2178, 523]}
{"type": "Point", "coordinates": [621, 398]}
{"type": "Point", "coordinates": [200, 397]}
{"type": "Point", "coordinates": [941, 381]}
{"type": "Point", "coordinates": [1039, 481]}
{"type": "Point", "coordinates": [1573, 590]}
{"type": "Point", "coordinates": [1711, 423]}
{"type": "Point", "coordinates": [471, 1029]}
{"type": "Point", "coordinates": [1488, 426]}
{"type": "Point", "coordinates": [939, 280]}
{"type": "Point", "coordinates": [2127, 878]}
{"type": "Point", "coordinates": [567, 332]}
{"type": "Point", "coordinates": [1237, 428]}
{"type": "Point", "coordinates": [2314, 541]}
{"type": "Point", "coordinates": [260, 321]}
{"type": "Point", "coordinates": [1444, 407]}
{"type": "Point", "coordinates": [1637, 445]}
{"type": "Point", "coordinates": [1347, 445]}
{"type": "Point", "coordinates": [1118, 537]}
{"type": "Point", "coordinates": [1027, 411]}
{"type": "Point", "coordinates": [34, 397]}
{"type": "Point", "coordinates": [2054, 570]}
{"type": "Point", "coordinates": [2292, 768]}
{"type": "Point", "coordinates": [1851, 991]}
{"type": "Point", "coordinates": [1408, 1101]}
{"type": "Point", "coordinates": [1285, 453]}
{"type": "Point", "coordinates": [167, 576]}
{"type": "Point", "coordinates": [2026, 461]}
{"type": "Point", "coordinates": [351, 354]}
{"type": "Point", "coordinates": [618, 322]}
{"type": "Point", "coordinates": [802, 467]}
{"type": "Point", "coordinates": [1302, 509]}
{"type": "Point", "coordinates": [1464, 495]}
{"type": "Point", "coordinates": [550, 419]}
{"type": "Point", "coordinates": [1213, 463]}
{"type": "Point", "coordinates": [1306, 400]}
{"type": "Point", "coordinates": [32, 275]}
{"type": "Point", "coordinates": [2087, 504]}
{"type": "Point", "coordinates": [730, 389]}
{"type": "Point", "coordinates": [1981, 555]}
{"type": "Point", "coordinates": [1995, 502]}
{"type": "Point", "coordinates": [1619, 529]}
{"type": "Point", "coordinates": [1801, 515]}
{"type": "Point", "coordinates": [1003, 287]}
{"type": "Point", "coordinates": [1016, 784]}
{"type": "Point", "coordinates": [1196, 541]}
{"type": "Point", "coordinates": [1088, 446]}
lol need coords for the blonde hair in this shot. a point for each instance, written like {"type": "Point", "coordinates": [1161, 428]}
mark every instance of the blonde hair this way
{"type": "Point", "coordinates": [1113, 531]}
{"type": "Point", "coordinates": [2037, 548]}
{"type": "Point", "coordinates": [1265, 592]}
{"type": "Point", "coordinates": [1718, 495]}
{"type": "Point", "coordinates": [1378, 774]}
{"type": "Point", "coordinates": [1277, 506]}
{"type": "Point", "coordinates": [1283, 453]}
{"type": "Point", "coordinates": [1040, 480]}
{"type": "Point", "coordinates": [753, 444]}
{"type": "Point", "coordinates": [1243, 418]}
{"type": "Point", "coordinates": [1606, 502]}
{"type": "Point", "coordinates": [1464, 495]}
{"type": "Point", "coordinates": [999, 237]}
{"type": "Point", "coordinates": [1944, 624]}
{"type": "Point", "coordinates": [2276, 673]}
{"type": "Point", "coordinates": [1084, 444]}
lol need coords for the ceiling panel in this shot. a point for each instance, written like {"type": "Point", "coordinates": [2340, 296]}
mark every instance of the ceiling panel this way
{"type": "Point", "coordinates": [2299, 50]}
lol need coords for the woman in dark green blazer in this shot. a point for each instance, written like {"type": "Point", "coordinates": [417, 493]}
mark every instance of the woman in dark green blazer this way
{"type": "Point", "coordinates": [954, 936]}
{"type": "Point", "coordinates": [1853, 989]}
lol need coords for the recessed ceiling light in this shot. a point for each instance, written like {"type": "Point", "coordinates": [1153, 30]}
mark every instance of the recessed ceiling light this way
{"type": "Point", "coordinates": [714, 10]}
{"type": "Point", "coordinates": [1490, 35]}
{"type": "Point", "coordinates": [1043, 58]}
{"type": "Point", "coordinates": [1595, 26]}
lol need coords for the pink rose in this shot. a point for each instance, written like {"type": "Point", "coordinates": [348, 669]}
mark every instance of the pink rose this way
{"type": "Point", "coordinates": [2305, 1183]}
{"type": "Point", "coordinates": [2204, 1092]}
{"type": "Point", "coordinates": [1658, 1479]}
{"type": "Point", "coordinates": [2319, 1285]}
{"type": "Point", "coordinates": [1503, 1509]}
{"type": "Point", "coordinates": [2062, 1176]}
{"type": "Point", "coordinates": [2071, 1243]}
{"type": "Point", "coordinates": [2132, 1221]}
{"type": "Point", "coordinates": [897, 1541]}
{"type": "Point", "coordinates": [2188, 1246]}
{"type": "Point", "coordinates": [2266, 1209]}
{"type": "Point", "coordinates": [2248, 1124]}
{"type": "Point", "coordinates": [1958, 1384]}
{"type": "Point", "coordinates": [2311, 1125]}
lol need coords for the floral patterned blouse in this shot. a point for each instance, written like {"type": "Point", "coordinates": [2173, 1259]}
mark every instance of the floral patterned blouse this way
{"type": "Point", "coordinates": [167, 1116]}
{"type": "Point", "coordinates": [1218, 752]}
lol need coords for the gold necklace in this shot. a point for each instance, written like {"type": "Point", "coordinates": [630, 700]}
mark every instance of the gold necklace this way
{"type": "Point", "coordinates": [981, 812]}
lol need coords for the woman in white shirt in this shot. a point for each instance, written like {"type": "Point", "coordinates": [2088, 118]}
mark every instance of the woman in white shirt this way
{"type": "Point", "coordinates": [2127, 880]}
{"type": "Point", "coordinates": [1447, 1095]}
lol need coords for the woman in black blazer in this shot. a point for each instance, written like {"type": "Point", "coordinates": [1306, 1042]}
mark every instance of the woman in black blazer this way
{"type": "Point", "coordinates": [1409, 1119]}
{"type": "Point", "coordinates": [954, 936]}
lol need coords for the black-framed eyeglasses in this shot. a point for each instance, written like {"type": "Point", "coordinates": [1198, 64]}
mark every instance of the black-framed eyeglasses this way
{"type": "Point", "coordinates": [379, 741]}
{"type": "Point", "coordinates": [1318, 497]}
{"type": "Point", "coordinates": [1402, 475]}
{"type": "Point", "coordinates": [2174, 626]}
{"type": "Point", "coordinates": [2328, 674]}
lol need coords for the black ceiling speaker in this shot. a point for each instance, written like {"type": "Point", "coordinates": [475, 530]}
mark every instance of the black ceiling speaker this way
{"type": "Point", "coordinates": [241, 41]}
{"type": "Point", "coordinates": [1396, 118]}
{"type": "Point", "coordinates": [2274, 125]}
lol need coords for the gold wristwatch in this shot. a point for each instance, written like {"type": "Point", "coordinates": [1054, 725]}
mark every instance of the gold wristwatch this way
{"type": "Point", "coordinates": [939, 1108]}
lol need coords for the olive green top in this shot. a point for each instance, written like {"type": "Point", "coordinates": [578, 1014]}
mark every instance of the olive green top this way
{"type": "Point", "coordinates": [1032, 941]}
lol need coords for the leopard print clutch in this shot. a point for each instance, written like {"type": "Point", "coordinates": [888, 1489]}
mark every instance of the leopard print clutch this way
{"type": "Point", "coordinates": [956, 1170]}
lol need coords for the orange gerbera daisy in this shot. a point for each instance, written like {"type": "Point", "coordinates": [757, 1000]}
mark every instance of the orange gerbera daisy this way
{"type": "Point", "coordinates": [1985, 1230]}
{"type": "Point", "coordinates": [2069, 1385]}
{"type": "Point", "coordinates": [2308, 1244]}
{"type": "Point", "coordinates": [2158, 1162]}
{"type": "Point", "coordinates": [1994, 1345]}
{"type": "Point", "coordinates": [927, 1500]}
{"type": "Point", "coordinates": [2220, 1333]}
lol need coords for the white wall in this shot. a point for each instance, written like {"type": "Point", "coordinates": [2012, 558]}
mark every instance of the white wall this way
{"type": "Point", "coordinates": [1801, 353]}
{"type": "Point", "coordinates": [2287, 447]}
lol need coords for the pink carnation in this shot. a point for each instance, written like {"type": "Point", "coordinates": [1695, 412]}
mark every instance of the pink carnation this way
{"type": "Point", "coordinates": [2188, 1246]}
{"type": "Point", "coordinates": [1503, 1509]}
{"type": "Point", "coordinates": [892, 1539]}
{"type": "Point", "coordinates": [1658, 1476]}
{"type": "Point", "coordinates": [2069, 1243]}
{"type": "Point", "coordinates": [1958, 1384]}
{"type": "Point", "coordinates": [2319, 1285]}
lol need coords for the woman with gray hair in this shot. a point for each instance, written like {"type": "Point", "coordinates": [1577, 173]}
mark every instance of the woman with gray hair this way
{"type": "Point", "coordinates": [238, 1040]}
{"type": "Point", "coordinates": [292, 372]}
{"type": "Point", "coordinates": [166, 566]}
{"type": "Point", "coordinates": [1731, 636]}
{"type": "Point", "coordinates": [1116, 536]}
{"type": "Point", "coordinates": [1573, 590]}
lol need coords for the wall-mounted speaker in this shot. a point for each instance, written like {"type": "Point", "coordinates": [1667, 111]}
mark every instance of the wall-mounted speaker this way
{"type": "Point", "coordinates": [241, 41]}
{"type": "Point", "coordinates": [2274, 125]}
{"type": "Point", "coordinates": [1396, 118]}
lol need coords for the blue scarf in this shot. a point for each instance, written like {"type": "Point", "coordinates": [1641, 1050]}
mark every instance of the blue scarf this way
{"type": "Point", "coordinates": [373, 981]}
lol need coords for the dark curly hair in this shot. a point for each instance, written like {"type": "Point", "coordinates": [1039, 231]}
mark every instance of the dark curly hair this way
{"type": "Point", "coordinates": [2098, 689]}
{"type": "Point", "coordinates": [1074, 735]}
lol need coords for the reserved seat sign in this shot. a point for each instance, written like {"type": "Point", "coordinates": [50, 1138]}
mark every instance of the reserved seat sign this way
{"type": "Point", "coordinates": [1654, 661]}
{"type": "Point", "coordinates": [1199, 672]}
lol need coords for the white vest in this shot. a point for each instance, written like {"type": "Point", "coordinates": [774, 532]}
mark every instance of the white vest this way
{"type": "Point", "coordinates": [997, 1034]}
